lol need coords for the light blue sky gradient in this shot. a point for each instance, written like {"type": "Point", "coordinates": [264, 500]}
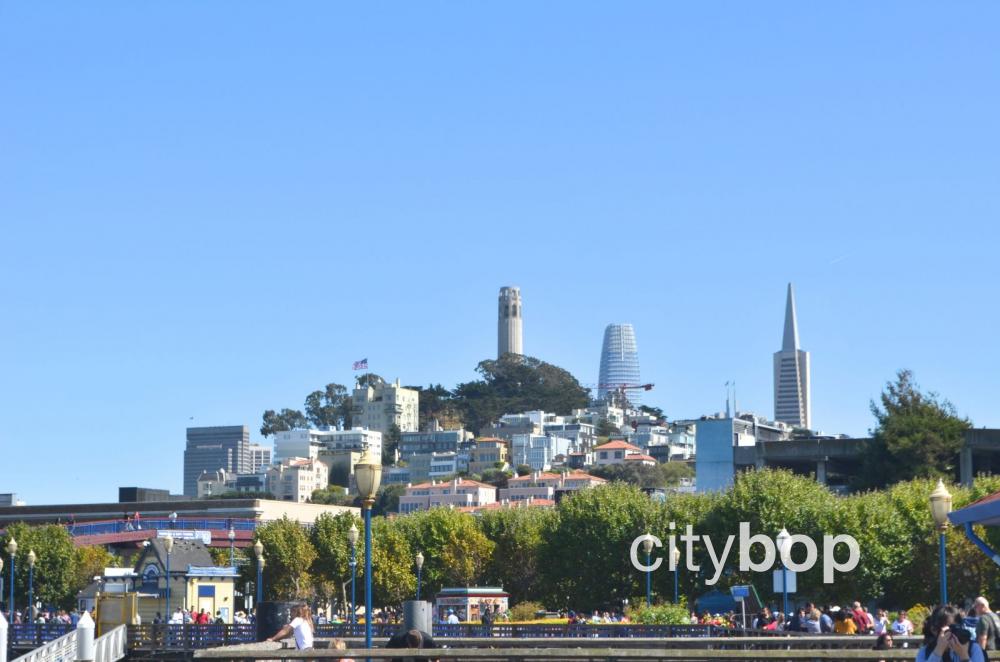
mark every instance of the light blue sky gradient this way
{"type": "Point", "coordinates": [209, 209]}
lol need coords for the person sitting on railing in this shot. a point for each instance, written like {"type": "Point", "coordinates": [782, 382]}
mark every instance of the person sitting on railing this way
{"type": "Point", "coordinates": [301, 626]}
{"type": "Point", "coordinates": [946, 640]}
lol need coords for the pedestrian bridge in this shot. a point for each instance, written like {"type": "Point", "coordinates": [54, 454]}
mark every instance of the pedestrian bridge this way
{"type": "Point", "coordinates": [76, 644]}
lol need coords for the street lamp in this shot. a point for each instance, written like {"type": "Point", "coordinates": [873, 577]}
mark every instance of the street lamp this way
{"type": "Point", "coordinates": [168, 545]}
{"type": "Point", "coordinates": [420, 567]}
{"type": "Point", "coordinates": [368, 474]}
{"type": "Point", "coordinates": [31, 583]}
{"type": "Point", "coordinates": [677, 569]}
{"type": "Point", "coordinates": [783, 537]}
{"type": "Point", "coordinates": [647, 546]}
{"type": "Point", "coordinates": [940, 507]}
{"type": "Point", "coordinates": [352, 537]}
{"type": "Point", "coordinates": [232, 546]}
{"type": "Point", "coordinates": [11, 549]}
{"type": "Point", "coordinates": [258, 550]}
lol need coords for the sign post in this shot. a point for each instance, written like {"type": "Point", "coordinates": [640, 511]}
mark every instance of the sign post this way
{"type": "Point", "coordinates": [740, 594]}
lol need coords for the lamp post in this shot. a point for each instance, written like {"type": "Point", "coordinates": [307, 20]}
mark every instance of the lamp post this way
{"type": "Point", "coordinates": [258, 551]}
{"type": "Point", "coordinates": [420, 566]}
{"type": "Point", "coordinates": [352, 537]}
{"type": "Point", "coordinates": [368, 474]}
{"type": "Point", "coordinates": [12, 550]}
{"type": "Point", "coordinates": [31, 583]}
{"type": "Point", "coordinates": [168, 545]}
{"type": "Point", "coordinates": [232, 547]}
{"type": "Point", "coordinates": [647, 546]}
{"type": "Point", "coordinates": [940, 507]}
{"type": "Point", "coordinates": [1, 582]}
{"type": "Point", "coordinates": [782, 540]}
{"type": "Point", "coordinates": [677, 569]}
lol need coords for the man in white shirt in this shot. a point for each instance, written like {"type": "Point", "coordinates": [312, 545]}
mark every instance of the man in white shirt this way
{"type": "Point", "coordinates": [452, 618]}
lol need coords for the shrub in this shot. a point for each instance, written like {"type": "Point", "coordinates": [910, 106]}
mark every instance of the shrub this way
{"type": "Point", "coordinates": [526, 611]}
{"type": "Point", "coordinates": [666, 614]}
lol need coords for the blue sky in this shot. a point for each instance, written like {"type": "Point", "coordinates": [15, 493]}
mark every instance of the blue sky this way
{"type": "Point", "coordinates": [209, 209]}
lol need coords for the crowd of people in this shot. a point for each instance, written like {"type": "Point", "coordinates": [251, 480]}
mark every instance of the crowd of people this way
{"type": "Point", "coordinates": [45, 616]}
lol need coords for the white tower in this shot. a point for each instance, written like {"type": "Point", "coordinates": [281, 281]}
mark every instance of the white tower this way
{"type": "Point", "coordinates": [509, 322]}
{"type": "Point", "coordinates": [791, 374]}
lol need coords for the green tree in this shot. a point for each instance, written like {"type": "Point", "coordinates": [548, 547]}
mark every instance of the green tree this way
{"type": "Point", "coordinates": [437, 403]}
{"type": "Point", "coordinates": [917, 436]}
{"type": "Point", "coordinates": [55, 571]}
{"type": "Point", "coordinates": [455, 550]}
{"type": "Point", "coordinates": [288, 554]}
{"type": "Point", "coordinates": [393, 570]}
{"type": "Point", "coordinates": [287, 419]}
{"type": "Point", "coordinates": [329, 407]}
{"type": "Point", "coordinates": [605, 428]}
{"type": "Point", "coordinates": [89, 562]}
{"type": "Point", "coordinates": [517, 535]}
{"type": "Point", "coordinates": [334, 495]}
{"type": "Point", "coordinates": [331, 567]}
{"type": "Point", "coordinates": [585, 558]}
{"type": "Point", "coordinates": [523, 469]}
{"type": "Point", "coordinates": [370, 379]}
{"type": "Point", "coordinates": [517, 383]}
{"type": "Point", "coordinates": [655, 412]}
{"type": "Point", "coordinates": [496, 477]}
{"type": "Point", "coordinates": [387, 499]}
{"type": "Point", "coordinates": [390, 444]}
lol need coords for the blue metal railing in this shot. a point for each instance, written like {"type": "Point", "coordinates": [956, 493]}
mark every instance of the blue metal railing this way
{"type": "Point", "coordinates": [160, 523]}
{"type": "Point", "coordinates": [33, 635]}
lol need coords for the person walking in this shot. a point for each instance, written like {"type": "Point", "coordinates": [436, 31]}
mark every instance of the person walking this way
{"type": "Point", "coordinates": [301, 626]}
{"type": "Point", "coordinates": [988, 627]}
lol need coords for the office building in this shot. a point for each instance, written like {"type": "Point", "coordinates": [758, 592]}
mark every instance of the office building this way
{"type": "Point", "coordinates": [381, 406]}
{"type": "Point", "coordinates": [619, 363]}
{"type": "Point", "coordinates": [791, 374]}
{"type": "Point", "coordinates": [509, 322]}
{"type": "Point", "coordinates": [213, 448]}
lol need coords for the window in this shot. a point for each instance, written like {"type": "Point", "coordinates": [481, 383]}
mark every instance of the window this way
{"type": "Point", "coordinates": [604, 455]}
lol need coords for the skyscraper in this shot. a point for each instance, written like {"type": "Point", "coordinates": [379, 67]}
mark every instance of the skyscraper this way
{"type": "Point", "coordinates": [791, 374]}
{"type": "Point", "coordinates": [619, 362]}
{"type": "Point", "coordinates": [213, 448]}
{"type": "Point", "coordinates": [509, 322]}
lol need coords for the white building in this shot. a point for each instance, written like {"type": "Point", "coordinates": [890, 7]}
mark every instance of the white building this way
{"type": "Point", "coordinates": [309, 443]}
{"type": "Point", "coordinates": [295, 479]}
{"type": "Point", "coordinates": [537, 451]}
{"type": "Point", "coordinates": [214, 483]}
{"type": "Point", "coordinates": [384, 405]}
{"type": "Point", "coordinates": [260, 458]}
{"type": "Point", "coordinates": [456, 493]}
{"type": "Point", "coordinates": [617, 452]}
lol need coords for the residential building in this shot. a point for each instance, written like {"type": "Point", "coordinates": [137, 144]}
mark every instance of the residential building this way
{"type": "Point", "coordinates": [431, 441]}
{"type": "Point", "coordinates": [435, 466]}
{"type": "Point", "coordinates": [459, 492]}
{"type": "Point", "coordinates": [487, 454]}
{"type": "Point", "coordinates": [211, 448]}
{"type": "Point", "coordinates": [309, 443]}
{"type": "Point", "coordinates": [675, 441]}
{"type": "Point", "coordinates": [619, 363]}
{"type": "Point", "coordinates": [260, 458]}
{"type": "Point", "coordinates": [381, 406]}
{"type": "Point", "coordinates": [509, 328]}
{"type": "Point", "coordinates": [537, 451]}
{"type": "Point", "coordinates": [792, 399]}
{"type": "Point", "coordinates": [640, 458]}
{"type": "Point", "coordinates": [214, 483]}
{"type": "Point", "coordinates": [614, 452]}
{"type": "Point", "coordinates": [547, 485]}
{"type": "Point", "coordinates": [581, 436]}
{"type": "Point", "coordinates": [397, 475]}
{"type": "Point", "coordinates": [530, 502]}
{"type": "Point", "coordinates": [296, 478]}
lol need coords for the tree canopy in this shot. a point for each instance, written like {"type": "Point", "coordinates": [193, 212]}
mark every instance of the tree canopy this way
{"type": "Point", "coordinates": [917, 435]}
{"type": "Point", "coordinates": [516, 383]}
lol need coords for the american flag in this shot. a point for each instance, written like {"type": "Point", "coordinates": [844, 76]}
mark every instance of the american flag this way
{"type": "Point", "coordinates": [361, 365]}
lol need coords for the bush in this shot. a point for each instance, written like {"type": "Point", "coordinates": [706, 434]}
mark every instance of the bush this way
{"type": "Point", "coordinates": [666, 614]}
{"type": "Point", "coordinates": [917, 614]}
{"type": "Point", "coordinates": [526, 611]}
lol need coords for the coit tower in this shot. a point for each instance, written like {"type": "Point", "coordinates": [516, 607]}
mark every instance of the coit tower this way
{"type": "Point", "coordinates": [509, 322]}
